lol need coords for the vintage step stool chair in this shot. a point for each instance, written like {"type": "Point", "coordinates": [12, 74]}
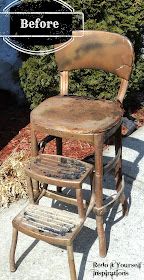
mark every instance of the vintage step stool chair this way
{"type": "Point", "coordinates": [93, 121]}
{"type": "Point", "coordinates": [55, 226]}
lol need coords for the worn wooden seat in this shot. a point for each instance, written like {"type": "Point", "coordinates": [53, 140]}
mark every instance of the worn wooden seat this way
{"type": "Point", "coordinates": [93, 121]}
{"type": "Point", "coordinates": [76, 117]}
{"type": "Point", "coordinates": [55, 226]}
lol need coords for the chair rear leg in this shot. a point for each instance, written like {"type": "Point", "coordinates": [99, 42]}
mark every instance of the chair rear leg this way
{"type": "Point", "coordinates": [101, 236]}
{"type": "Point", "coordinates": [34, 142]}
{"type": "Point", "coordinates": [71, 262]}
{"type": "Point", "coordinates": [99, 192]}
{"type": "Point", "coordinates": [13, 249]}
{"type": "Point", "coordinates": [34, 153]}
{"type": "Point", "coordinates": [118, 171]}
{"type": "Point", "coordinates": [80, 204]}
{"type": "Point", "coordinates": [59, 152]}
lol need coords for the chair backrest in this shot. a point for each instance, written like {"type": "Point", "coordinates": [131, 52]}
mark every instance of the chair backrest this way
{"type": "Point", "coordinates": [108, 51]}
{"type": "Point", "coordinates": [97, 49]}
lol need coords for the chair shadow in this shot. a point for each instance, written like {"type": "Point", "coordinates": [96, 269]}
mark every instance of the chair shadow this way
{"type": "Point", "coordinates": [131, 165]}
{"type": "Point", "coordinates": [27, 251]}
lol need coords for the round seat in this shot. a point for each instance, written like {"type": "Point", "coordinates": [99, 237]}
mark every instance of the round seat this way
{"type": "Point", "coordinates": [76, 115]}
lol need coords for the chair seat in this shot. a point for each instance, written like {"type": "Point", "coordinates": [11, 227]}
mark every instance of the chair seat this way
{"type": "Point", "coordinates": [48, 223]}
{"type": "Point", "coordinates": [76, 115]}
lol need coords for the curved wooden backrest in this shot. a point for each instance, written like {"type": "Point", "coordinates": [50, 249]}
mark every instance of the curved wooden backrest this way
{"type": "Point", "coordinates": [110, 52]}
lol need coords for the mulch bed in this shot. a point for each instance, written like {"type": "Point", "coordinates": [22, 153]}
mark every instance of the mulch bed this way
{"type": "Point", "coordinates": [21, 141]}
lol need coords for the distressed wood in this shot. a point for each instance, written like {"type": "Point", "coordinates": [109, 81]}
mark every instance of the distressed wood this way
{"type": "Point", "coordinates": [110, 52]}
{"type": "Point", "coordinates": [76, 117]}
{"type": "Point", "coordinates": [30, 189]}
{"type": "Point", "coordinates": [122, 90]}
{"type": "Point", "coordinates": [50, 169]}
{"type": "Point", "coordinates": [80, 203]}
{"type": "Point", "coordinates": [102, 210]}
{"type": "Point", "coordinates": [51, 225]}
{"type": "Point", "coordinates": [58, 170]}
{"type": "Point", "coordinates": [59, 152]}
{"type": "Point", "coordinates": [13, 249]}
{"type": "Point", "coordinates": [71, 262]}
{"type": "Point", "coordinates": [92, 199]}
{"type": "Point", "coordinates": [64, 198]}
{"type": "Point", "coordinates": [98, 144]}
{"type": "Point", "coordinates": [43, 222]}
{"type": "Point", "coordinates": [64, 83]}
{"type": "Point", "coordinates": [48, 220]}
{"type": "Point", "coordinates": [34, 142]}
{"type": "Point", "coordinates": [34, 152]}
{"type": "Point", "coordinates": [118, 170]}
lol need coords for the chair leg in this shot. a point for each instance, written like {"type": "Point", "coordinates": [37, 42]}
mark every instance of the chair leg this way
{"type": "Point", "coordinates": [30, 189]}
{"type": "Point", "coordinates": [34, 153]}
{"type": "Point", "coordinates": [118, 171]}
{"type": "Point", "coordinates": [79, 197]}
{"type": "Point", "coordinates": [98, 143]}
{"type": "Point", "coordinates": [101, 236]}
{"type": "Point", "coordinates": [13, 249]}
{"type": "Point", "coordinates": [59, 152]}
{"type": "Point", "coordinates": [34, 143]}
{"type": "Point", "coordinates": [71, 262]}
